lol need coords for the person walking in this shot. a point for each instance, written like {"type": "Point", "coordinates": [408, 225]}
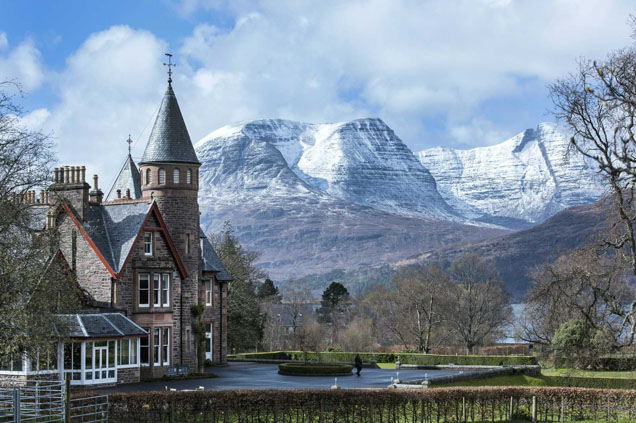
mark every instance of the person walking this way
{"type": "Point", "coordinates": [358, 364]}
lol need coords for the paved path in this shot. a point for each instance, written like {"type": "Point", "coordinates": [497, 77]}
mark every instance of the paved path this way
{"type": "Point", "coordinates": [265, 376]}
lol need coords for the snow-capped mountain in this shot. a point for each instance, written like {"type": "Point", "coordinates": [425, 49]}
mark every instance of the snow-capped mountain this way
{"type": "Point", "coordinates": [313, 198]}
{"type": "Point", "coordinates": [517, 183]}
{"type": "Point", "coordinates": [316, 197]}
{"type": "Point", "coordinates": [361, 162]}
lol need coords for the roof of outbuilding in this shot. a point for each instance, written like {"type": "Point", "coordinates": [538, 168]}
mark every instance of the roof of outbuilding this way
{"type": "Point", "coordinates": [128, 178]}
{"type": "Point", "coordinates": [211, 260]}
{"type": "Point", "coordinates": [96, 325]}
{"type": "Point", "coordinates": [169, 140]}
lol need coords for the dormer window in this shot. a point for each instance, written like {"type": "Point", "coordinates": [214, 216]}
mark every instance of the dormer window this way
{"type": "Point", "coordinates": [162, 176]}
{"type": "Point", "coordinates": [148, 243]}
{"type": "Point", "coordinates": [189, 177]}
{"type": "Point", "coordinates": [175, 176]}
{"type": "Point", "coordinates": [148, 177]}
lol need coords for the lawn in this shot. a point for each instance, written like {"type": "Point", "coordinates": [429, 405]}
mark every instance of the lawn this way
{"type": "Point", "coordinates": [588, 373]}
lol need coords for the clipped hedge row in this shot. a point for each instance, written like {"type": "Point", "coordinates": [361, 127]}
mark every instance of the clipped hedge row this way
{"type": "Point", "coordinates": [405, 358]}
{"type": "Point", "coordinates": [317, 369]}
{"type": "Point", "coordinates": [373, 405]}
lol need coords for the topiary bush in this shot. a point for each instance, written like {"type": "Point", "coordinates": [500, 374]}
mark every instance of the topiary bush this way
{"type": "Point", "coordinates": [314, 369]}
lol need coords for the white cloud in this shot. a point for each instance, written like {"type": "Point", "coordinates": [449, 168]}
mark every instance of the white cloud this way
{"type": "Point", "coordinates": [4, 41]}
{"type": "Point", "coordinates": [404, 61]}
{"type": "Point", "coordinates": [478, 132]}
{"type": "Point", "coordinates": [22, 64]}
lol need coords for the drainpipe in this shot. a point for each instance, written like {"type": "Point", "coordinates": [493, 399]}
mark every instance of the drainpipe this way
{"type": "Point", "coordinates": [112, 292]}
{"type": "Point", "coordinates": [181, 323]}
{"type": "Point", "coordinates": [220, 323]}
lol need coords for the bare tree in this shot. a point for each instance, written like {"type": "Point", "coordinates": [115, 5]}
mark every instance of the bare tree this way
{"type": "Point", "coordinates": [479, 305]}
{"type": "Point", "coordinates": [32, 286]}
{"type": "Point", "coordinates": [411, 308]}
{"type": "Point", "coordinates": [598, 104]}
{"type": "Point", "coordinates": [586, 285]}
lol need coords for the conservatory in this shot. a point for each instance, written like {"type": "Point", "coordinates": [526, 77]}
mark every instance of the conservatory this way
{"type": "Point", "coordinates": [100, 348]}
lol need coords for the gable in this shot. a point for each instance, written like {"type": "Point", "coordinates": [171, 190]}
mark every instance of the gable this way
{"type": "Point", "coordinates": [112, 230]}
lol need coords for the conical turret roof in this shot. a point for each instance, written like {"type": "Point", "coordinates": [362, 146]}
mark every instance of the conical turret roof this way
{"type": "Point", "coordinates": [128, 178]}
{"type": "Point", "coordinates": [169, 140]}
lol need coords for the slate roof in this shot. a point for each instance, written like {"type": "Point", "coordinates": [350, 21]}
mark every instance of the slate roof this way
{"type": "Point", "coordinates": [128, 178]}
{"type": "Point", "coordinates": [101, 325]}
{"type": "Point", "coordinates": [169, 140]}
{"type": "Point", "coordinates": [113, 229]}
{"type": "Point", "coordinates": [211, 261]}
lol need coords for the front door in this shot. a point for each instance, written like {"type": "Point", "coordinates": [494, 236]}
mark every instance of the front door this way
{"type": "Point", "coordinates": [101, 363]}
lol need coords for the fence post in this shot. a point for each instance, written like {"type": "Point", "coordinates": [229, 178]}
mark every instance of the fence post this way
{"type": "Point", "coordinates": [534, 409]}
{"type": "Point", "coordinates": [16, 405]}
{"type": "Point", "coordinates": [510, 414]}
{"type": "Point", "coordinates": [562, 409]}
{"type": "Point", "coordinates": [67, 398]}
{"type": "Point", "coordinates": [464, 409]}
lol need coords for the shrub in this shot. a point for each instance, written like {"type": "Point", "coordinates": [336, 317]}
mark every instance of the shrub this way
{"type": "Point", "coordinates": [315, 369]}
{"type": "Point", "coordinates": [405, 358]}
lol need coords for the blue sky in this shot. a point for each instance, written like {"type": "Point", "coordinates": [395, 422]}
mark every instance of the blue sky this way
{"type": "Point", "coordinates": [461, 73]}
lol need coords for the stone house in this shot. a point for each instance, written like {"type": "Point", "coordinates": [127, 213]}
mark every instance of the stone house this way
{"type": "Point", "coordinates": [139, 253]}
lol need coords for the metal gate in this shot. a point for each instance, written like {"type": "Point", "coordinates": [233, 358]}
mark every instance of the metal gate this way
{"type": "Point", "coordinates": [32, 401]}
{"type": "Point", "coordinates": [46, 401]}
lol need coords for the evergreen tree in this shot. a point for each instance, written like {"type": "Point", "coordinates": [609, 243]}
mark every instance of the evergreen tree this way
{"type": "Point", "coordinates": [245, 320]}
{"type": "Point", "coordinates": [334, 298]}
{"type": "Point", "coordinates": [267, 289]}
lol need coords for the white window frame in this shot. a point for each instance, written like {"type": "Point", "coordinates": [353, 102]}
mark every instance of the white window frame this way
{"type": "Point", "coordinates": [208, 293]}
{"type": "Point", "coordinates": [176, 175]}
{"type": "Point", "coordinates": [156, 346]}
{"type": "Point", "coordinates": [165, 332]}
{"type": "Point", "coordinates": [148, 241]}
{"type": "Point", "coordinates": [165, 289]}
{"type": "Point", "coordinates": [162, 176]}
{"type": "Point", "coordinates": [135, 357]}
{"type": "Point", "coordinates": [139, 277]}
{"type": "Point", "coordinates": [146, 364]}
{"type": "Point", "coordinates": [156, 290]}
{"type": "Point", "coordinates": [189, 177]}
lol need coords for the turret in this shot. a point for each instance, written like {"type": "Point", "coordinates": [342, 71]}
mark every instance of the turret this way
{"type": "Point", "coordinates": [169, 172]}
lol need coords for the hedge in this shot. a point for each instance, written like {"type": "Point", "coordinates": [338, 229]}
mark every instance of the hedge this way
{"type": "Point", "coordinates": [374, 405]}
{"type": "Point", "coordinates": [405, 358]}
{"type": "Point", "coordinates": [318, 369]}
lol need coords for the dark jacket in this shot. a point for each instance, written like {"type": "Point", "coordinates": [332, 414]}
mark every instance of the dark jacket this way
{"type": "Point", "coordinates": [358, 361]}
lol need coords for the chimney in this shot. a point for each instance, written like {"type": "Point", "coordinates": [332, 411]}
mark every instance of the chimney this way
{"type": "Point", "coordinates": [69, 186]}
{"type": "Point", "coordinates": [127, 192]}
{"type": "Point", "coordinates": [96, 195]}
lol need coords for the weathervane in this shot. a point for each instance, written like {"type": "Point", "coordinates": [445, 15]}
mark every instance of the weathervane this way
{"type": "Point", "coordinates": [129, 141]}
{"type": "Point", "coordinates": [170, 65]}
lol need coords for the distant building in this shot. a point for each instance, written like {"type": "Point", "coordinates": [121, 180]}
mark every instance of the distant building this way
{"type": "Point", "coordinates": [141, 261]}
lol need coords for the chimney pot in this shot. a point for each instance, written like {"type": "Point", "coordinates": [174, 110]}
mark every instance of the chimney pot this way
{"type": "Point", "coordinates": [95, 187]}
{"type": "Point", "coordinates": [127, 192]}
{"type": "Point", "coordinates": [67, 174]}
{"type": "Point", "coordinates": [56, 175]}
{"type": "Point", "coordinates": [83, 174]}
{"type": "Point", "coordinates": [118, 193]}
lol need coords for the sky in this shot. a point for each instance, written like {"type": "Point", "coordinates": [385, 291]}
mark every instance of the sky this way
{"type": "Point", "coordinates": [455, 73]}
